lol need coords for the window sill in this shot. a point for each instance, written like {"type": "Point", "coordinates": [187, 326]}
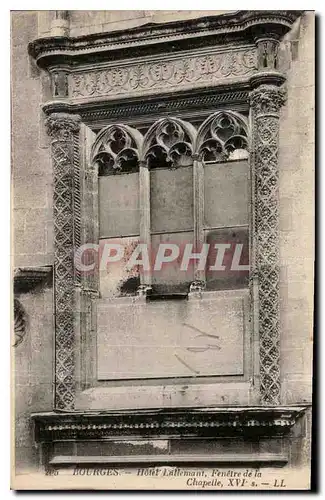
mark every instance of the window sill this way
{"type": "Point", "coordinates": [194, 422]}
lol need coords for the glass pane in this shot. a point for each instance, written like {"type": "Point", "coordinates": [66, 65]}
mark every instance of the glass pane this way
{"type": "Point", "coordinates": [170, 278]}
{"type": "Point", "coordinates": [117, 277]}
{"type": "Point", "coordinates": [119, 205]}
{"type": "Point", "coordinates": [226, 194]}
{"type": "Point", "coordinates": [229, 273]}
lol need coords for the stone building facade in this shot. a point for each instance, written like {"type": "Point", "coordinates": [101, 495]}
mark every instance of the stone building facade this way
{"type": "Point", "coordinates": [100, 99]}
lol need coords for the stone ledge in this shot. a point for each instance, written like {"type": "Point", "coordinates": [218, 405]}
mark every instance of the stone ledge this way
{"type": "Point", "coordinates": [169, 460]}
{"type": "Point", "coordinates": [194, 422]}
{"type": "Point", "coordinates": [27, 279]}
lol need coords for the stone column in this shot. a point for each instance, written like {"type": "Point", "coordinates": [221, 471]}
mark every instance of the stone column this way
{"type": "Point", "coordinates": [266, 100]}
{"type": "Point", "coordinates": [60, 23]}
{"type": "Point", "coordinates": [64, 132]}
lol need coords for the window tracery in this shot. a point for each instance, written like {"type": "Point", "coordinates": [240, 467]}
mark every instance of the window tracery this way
{"type": "Point", "coordinates": [223, 136]}
{"type": "Point", "coordinates": [116, 150]}
{"type": "Point", "coordinates": [169, 143]}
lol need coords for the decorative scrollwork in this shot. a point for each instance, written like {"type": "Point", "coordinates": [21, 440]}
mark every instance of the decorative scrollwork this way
{"type": "Point", "coordinates": [154, 76]}
{"type": "Point", "coordinates": [169, 143]}
{"type": "Point", "coordinates": [20, 322]}
{"type": "Point", "coordinates": [223, 136]}
{"type": "Point", "coordinates": [116, 150]}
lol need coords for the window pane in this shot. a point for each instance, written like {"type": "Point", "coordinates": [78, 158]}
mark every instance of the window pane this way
{"type": "Point", "coordinates": [171, 198]}
{"type": "Point", "coordinates": [119, 205]}
{"type": "Point", "coordinates": [235, 256]}
{"type": "Point", "coordinates": [226, 194]}
{"type": "Point", "coordinates": [171, 279]}
{"type": "Point", "coordinates": [118, 278]}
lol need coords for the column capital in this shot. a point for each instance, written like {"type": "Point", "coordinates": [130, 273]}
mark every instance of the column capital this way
{"type": "Point", "coordinates": [267, 99]}
{"type": "Point", "coordinates": [60, 126]}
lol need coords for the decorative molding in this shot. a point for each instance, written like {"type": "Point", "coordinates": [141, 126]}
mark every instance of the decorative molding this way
{"type": "Point", "coordinates": [207, 422]}
{"type": "Point", "coordinates": [63, 130]}
{"type": "Point", "coordinates": [163, 75]}
{"type": "Point", "coordinates": [266, 101]}
{"type": "Point", "coordinates": [27, 279]}
{"type": "Point", "coordinates": [162, 37]}
{"type": "Point", "coordinates": [199, 103]}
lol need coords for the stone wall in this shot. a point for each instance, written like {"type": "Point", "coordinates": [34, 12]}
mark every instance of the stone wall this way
{"type": "Point", "coordinates": [99, 21]}
{"type": "Point", "coordinates": [32, 236]}
{"type": "Point", "coordinates": [296, 165]}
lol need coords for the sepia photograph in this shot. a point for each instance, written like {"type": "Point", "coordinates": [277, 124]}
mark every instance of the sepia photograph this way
{"type": "Point", "coordinates": [162, 249]}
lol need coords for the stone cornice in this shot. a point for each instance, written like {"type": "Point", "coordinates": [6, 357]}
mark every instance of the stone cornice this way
{"type": "Point", "coordinates": [27, 279]}
{"type": "Point", "coordinates": [163, 37]}
{"type": "Point", "coordinates": [207, 422]}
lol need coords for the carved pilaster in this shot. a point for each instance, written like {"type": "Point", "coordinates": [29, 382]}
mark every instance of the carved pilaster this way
{"type": "Point", "coordinates": [266, 101]}
{"type": "Point", "coordinates": [64, 132]}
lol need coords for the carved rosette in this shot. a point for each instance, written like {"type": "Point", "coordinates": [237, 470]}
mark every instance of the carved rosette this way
{"type": "Point", "coordinates": [63, 130]}
{"type": "Point", "coordinates": [266, 101]}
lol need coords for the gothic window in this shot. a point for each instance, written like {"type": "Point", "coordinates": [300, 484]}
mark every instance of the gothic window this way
{"type": "Point", "coordinates": [160, 165]}
{"type": "Point", "coordinates": [168, 152]}
{"type": "Point", "coordinates": [222, 146]}
{"type": "Point", "coordinates": [116, 153]}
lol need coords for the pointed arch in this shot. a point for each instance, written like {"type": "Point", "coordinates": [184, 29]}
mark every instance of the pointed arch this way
{"type": "Point", "coordinates": [169, 142]}
{"type": "Point", "coordinates": [222, 136]}
{"type": "Point", "coordinates": [116, 149]}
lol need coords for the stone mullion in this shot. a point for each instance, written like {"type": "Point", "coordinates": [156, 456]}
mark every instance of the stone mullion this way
{"type": "Point", "coordinates": [198, 190]}
{"type": "Point", "coordinates": [63, 130]}
{"type": "Point", "coordinates": [266, 101]}
{"type": "Point", "coordinates": [145, 222]}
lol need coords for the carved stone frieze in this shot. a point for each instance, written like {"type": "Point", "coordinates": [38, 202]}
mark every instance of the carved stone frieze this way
{"type": "Point", "coordinates": [181, 72]}
{"type": "Point", "coordinates": [210, 422]}
{"type": "Point", "coordinates": [63, 130]}
{"type": "Point", "coordinates": [266, 101]}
